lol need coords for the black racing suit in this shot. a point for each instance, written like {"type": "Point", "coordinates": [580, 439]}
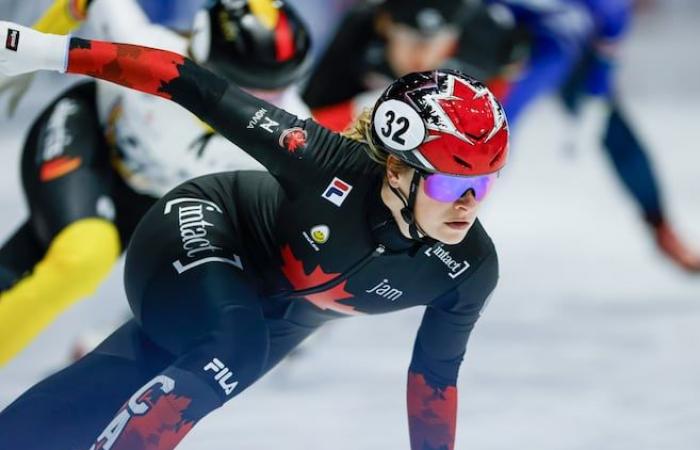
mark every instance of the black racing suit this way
{"type": "Point", "coordinates": [228, 272]}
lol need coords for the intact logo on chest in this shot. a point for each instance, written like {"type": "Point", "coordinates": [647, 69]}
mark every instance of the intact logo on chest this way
{"type": "Point", "coordinates": [455, 268]}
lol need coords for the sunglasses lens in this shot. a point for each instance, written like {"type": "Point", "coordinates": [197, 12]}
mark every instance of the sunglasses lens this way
{"type": "Point", "coordinates": [446, 188]}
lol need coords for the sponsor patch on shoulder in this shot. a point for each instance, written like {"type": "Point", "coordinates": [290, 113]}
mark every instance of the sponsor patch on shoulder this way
{"type": "Point", "coordinates": [337, 191]}
{"type": "Point", "coordinates": [294, 141]}
{"type": "Point", "coordinates": [318, 235]}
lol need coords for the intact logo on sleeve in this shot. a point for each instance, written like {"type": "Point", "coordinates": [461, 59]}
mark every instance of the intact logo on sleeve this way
{"type": "Point", "coordinates": [12, 41]}
{"type": "Point", "coordinates": [337, 191]}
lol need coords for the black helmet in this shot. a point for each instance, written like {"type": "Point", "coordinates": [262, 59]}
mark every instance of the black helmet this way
{"type": "Point", "coordinates": [430, 16]}
{"type": "Point", "coordinates": [490, 41]}
{"type": "Point", "coordinates": [258, 44]}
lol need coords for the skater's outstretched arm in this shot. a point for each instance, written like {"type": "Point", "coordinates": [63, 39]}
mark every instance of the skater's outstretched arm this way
{"type": "Point", "coordinates": [439, 349]}
{"type": "Point", "coordinates": [62, 17]}
{"type": "Point", "coordinates": [284, 144]}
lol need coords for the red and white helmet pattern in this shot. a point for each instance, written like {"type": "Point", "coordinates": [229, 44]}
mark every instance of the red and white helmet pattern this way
{"type": "Point", "coordinates": [442, 121]}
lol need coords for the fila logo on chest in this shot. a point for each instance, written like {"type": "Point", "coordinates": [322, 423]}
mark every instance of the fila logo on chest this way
{"type": "Point", "coordinates": [337, 191]}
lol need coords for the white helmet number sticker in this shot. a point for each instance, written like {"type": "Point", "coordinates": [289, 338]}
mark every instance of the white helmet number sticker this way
{"type": "Point", "coordinates": [399, 126]}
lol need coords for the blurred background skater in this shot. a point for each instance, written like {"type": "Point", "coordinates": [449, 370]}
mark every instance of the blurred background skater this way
{"type": "Point", "coordinates": [574, 52]}
{"type": "Point", "coordinates": [99, 156]}
{"type": "Point", "coordinates": [379, 41]}
{"type": "Point", "coordinates": [321, 17]}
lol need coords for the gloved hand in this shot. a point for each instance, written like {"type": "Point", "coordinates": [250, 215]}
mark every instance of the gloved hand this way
{"type": "Point", "coordinates": [24, 50]}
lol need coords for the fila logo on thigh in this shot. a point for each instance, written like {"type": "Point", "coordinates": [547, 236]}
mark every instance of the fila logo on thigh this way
{"type": "Point", "coordinates": [222, 375]}
{"type": "Point", "coordinates": [337, 191]}
{"type": "Point", "coordinates": [139, 404]}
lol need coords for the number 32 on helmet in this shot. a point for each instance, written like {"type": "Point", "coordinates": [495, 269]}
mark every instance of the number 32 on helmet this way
{"type": "Point", "coordinates": [442, 122]}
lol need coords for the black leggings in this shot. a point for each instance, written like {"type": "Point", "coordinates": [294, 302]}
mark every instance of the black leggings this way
{"type": "Point", "coordinates": [199, 338]}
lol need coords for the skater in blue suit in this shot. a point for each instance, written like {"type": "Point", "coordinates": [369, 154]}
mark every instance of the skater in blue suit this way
{"type": "Point", "coordinates": [573, 52]}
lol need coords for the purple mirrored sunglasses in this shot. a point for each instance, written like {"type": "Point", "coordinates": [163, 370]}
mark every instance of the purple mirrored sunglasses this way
{"type": "Point", "coordinates": [448, 188]}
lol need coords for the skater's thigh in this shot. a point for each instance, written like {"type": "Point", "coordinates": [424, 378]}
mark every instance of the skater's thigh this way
{"type": "Point", "coordinates": [185, 272]}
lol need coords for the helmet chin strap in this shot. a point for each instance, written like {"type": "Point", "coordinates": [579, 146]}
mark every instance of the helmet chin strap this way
{"type": "Point", "coordinates": [407, 212]}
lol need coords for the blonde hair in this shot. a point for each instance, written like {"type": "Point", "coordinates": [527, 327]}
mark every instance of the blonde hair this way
{"type": "Point", "coordinates": [361, 130]}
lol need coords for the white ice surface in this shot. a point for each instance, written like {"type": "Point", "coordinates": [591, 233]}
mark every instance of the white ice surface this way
{"type": "Point", "coordinates": [590, 341]}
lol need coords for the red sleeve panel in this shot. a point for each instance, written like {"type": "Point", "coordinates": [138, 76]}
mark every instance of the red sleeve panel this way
{"type": "Point", "coordinates": [123, 64]}
{"type": "Point", "coordinates": [283, 143]}
{"type": "Point", "coordinates": [432, 414]}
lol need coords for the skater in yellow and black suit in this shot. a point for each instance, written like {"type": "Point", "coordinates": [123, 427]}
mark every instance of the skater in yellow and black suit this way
{"type": "Point", "coordinates": [88, 177]}
{"type": "Point", "coordinates": [73, 234]}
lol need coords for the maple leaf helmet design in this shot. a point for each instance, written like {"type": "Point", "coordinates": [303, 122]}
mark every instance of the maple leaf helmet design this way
{"type": "Point", "coordinates": [257, 44]}
{"type": "Point", "coordinates": [442, 121]}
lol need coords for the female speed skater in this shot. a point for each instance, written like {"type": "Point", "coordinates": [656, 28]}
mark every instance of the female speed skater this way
{"type": "Point", "coordinates": [100, 155]}
{"type": "Point", "coordinates": [228, 272]}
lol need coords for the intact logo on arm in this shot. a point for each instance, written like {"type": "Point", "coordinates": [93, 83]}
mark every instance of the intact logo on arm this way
{"type": "Point", "coordinates": [337, 191]}
{"type": "Point", "coordinates": [12, 41]}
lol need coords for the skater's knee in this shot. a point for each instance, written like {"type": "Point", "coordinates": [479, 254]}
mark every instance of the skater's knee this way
{"type": "Point", "coordinates": [248, 343]}
{"type": "Point", "coordinates": [78, 259]}
{"type": "Point", "coordinates": [231, 357]}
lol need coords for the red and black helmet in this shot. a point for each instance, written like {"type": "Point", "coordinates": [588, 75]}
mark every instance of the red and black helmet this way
{"type": "Point", "coordinates": [257, 44]}
{"type": "Point", "coordinates": [442, 121]}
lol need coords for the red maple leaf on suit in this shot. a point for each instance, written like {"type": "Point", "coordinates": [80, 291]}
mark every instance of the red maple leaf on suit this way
{"type": "Point", "coordinates": [162, 426]}
{"type": "Point", "coordinates": [293, 270]}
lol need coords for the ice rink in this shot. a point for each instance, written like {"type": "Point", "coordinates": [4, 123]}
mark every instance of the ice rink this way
{"type": "Point", "coordinates": [591, 340]}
